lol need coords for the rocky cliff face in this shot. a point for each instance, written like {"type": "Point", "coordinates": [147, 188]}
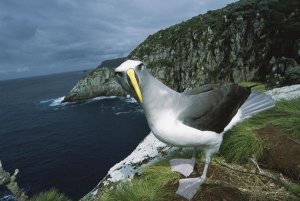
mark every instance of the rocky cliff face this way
{"type": "Point", "coordinates": [248, 40]}
{"type": "Point", "coordinates": [99, 82]}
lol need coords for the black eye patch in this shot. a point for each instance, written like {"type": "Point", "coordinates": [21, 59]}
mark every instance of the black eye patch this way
{"type": "Point", "coordinates": [140, 67]}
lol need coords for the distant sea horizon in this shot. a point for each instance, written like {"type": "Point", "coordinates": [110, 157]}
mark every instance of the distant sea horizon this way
{"type": "Point", "coordinates": [25, 75]}
{"type": "Point", "coordinates": [68, 146]}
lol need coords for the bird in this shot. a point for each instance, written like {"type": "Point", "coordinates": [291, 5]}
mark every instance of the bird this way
{"type": "Point", "coordinates": [195, 118]}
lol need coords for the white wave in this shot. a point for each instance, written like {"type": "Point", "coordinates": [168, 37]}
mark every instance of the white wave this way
{"type": "Point", "coordinates": [100, 98]}
{"type": "Point", "coordinates": [58, 102]}
{"type": "Point", "coordinates": [130, 100]}
{"type": "Point", "coordinates": [54, 101]}
{"type": "Point", "coordinates": [130, 111]}
{"type": "Point", "coordinates": [46, 101]}
{"type": "Point", "coordinates": [7, 197]}
{"type": "Point", "coordinates": [118, 113]}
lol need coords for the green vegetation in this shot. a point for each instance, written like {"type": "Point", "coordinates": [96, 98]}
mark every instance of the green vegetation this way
{"type": "Point", "coordinates": [257, 86]}
{"type": "Point", "coordinates": [135, 191]}
{"type": "Point", "coordinates": [241, 142]}
{"type": "Point", "coordinates": [151, 186]}
{"type": "Point", "coordinates": [160, 174]}
{"type": "Point", "coordinates": [234, 40]}
{"type": "Point", "coordinates": [112, 63]}
{"type": "Point", "coordinates": [295, 188]}
{"type": "Point", "coordinates": [286, 115]}
{"type": "Point", "coordinates": [51, 195]}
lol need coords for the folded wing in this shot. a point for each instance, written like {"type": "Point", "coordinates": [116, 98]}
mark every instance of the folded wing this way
{"type": "Point", "coordinates": [212, 107]}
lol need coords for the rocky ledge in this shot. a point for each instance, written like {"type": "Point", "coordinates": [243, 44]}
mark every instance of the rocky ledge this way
{"type": "Point", "coordinates": [151, 150]}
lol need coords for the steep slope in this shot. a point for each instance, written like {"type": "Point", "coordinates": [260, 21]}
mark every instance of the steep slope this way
{"type": "Point", "coordinates": [246, 40]}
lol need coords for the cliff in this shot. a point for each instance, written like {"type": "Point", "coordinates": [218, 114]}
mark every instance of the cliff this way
{"type": "Point", "coordinates": [250, 40]}
{"type": "Point", "coordinates": [152, 155]}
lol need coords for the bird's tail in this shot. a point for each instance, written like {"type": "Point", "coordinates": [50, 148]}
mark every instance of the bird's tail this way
{"type": "Point", "coordinates": [256, 103]}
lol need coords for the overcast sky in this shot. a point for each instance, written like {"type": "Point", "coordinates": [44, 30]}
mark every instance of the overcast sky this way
{"type": "Point", "coordinates": [50, 36]}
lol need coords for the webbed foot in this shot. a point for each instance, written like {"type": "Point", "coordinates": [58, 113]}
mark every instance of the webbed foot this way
{"type": "Point", "coordinates": [183, 166]}
{"type": "Point", "coordinates": [189, 187]}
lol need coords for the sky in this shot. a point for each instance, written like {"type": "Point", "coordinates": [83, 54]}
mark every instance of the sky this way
{"type": "Point", "coordinates": [39, 37]}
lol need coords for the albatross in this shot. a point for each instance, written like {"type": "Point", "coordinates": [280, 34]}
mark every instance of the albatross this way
{"type": "Point", "coordinates": [195, 118]}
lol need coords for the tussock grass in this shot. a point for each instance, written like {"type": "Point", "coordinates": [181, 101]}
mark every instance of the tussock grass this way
{"type": "Point", "coordinates": [286, 115]}
{"type": "Point", "coordinates": [295, 188]}
{"type": "Point", "coordinates": [136, 190]}
{"type": "Point", "coordinates": [152, 185]}
{"type": "Point", "coordinates": [160, 174]}
{"type": "Point", "coordinates": [240, 143]}
{"type": "Point", "coordinates": [51, 195]}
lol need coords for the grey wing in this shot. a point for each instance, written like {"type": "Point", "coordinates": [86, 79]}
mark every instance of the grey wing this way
{"type": "Point", "coordinates": [213, 109]}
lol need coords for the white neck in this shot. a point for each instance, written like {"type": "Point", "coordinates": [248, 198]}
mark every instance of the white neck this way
{"type": "Point", "coordinates": [158, 98]}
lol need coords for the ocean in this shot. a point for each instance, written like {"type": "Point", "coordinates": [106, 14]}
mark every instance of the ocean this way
{"type": "Point", "coordinates": [66, 146]}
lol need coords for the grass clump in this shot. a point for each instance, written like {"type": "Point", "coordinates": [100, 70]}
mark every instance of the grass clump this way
{"type": "Point", "coordinates": [160, 174]}
{"type": "Point", "coordinates": [136, 190]}
{"type": "Point", "coordinates": [294, 188]}
{"type": "Point", "coordinates": [152, 185]}
{"type": "Point", "coordinates": [240, 144]}
{"type": "Point", "coordinates": [51, 195]}
{"type": "Point", "coordinates": [285, 115]}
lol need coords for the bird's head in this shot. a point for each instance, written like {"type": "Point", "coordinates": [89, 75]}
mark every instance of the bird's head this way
{"type": "Point", "coordinates": [129, 75]}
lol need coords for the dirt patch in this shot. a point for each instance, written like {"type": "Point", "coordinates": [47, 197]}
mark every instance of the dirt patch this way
{"type": "Point", "coordinates": [281, 152]}
{"type": "Point", "coordinates": [213, 191]}
{"type": "Point", "coordinates": [224, 184]}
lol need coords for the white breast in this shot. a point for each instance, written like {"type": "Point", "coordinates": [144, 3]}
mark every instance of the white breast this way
{"type": "Point", "coordinates": [173, 132]}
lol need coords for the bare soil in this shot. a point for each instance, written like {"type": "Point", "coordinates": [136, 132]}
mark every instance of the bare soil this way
{"type": "Point", "coordinates": [224, 184]}
{"type": "Point", "coordinates": [213, 192]}
{"type": "Point", "coordinates": [281, 152]}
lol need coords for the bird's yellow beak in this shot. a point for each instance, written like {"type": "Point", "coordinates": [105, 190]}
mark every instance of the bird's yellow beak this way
{"type": "Point", "coordinates": [133, 80]}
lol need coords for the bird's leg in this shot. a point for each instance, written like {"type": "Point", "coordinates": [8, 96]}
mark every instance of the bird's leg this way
{"type": "Point", "coordinates": [206, 164]}
{"type": "Point", "coordinates": [184, 166]}
{"type": "Point", "coordinates": [189, 187]}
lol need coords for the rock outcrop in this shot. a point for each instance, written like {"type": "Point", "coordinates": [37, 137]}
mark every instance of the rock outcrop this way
{"type": "Point", "coordinates": [99, 82]}
{"type": "Point", "coordinates": [250, 40]}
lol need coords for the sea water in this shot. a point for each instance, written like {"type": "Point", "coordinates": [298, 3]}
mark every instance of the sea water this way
{"type": "Point", "coordinates": [68, 146]}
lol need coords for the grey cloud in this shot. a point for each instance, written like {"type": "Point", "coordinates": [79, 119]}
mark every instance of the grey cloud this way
{"type": "Point", "coordinates": [11, 28]}
{"type": "Point", "coordinates": [43, 36]}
